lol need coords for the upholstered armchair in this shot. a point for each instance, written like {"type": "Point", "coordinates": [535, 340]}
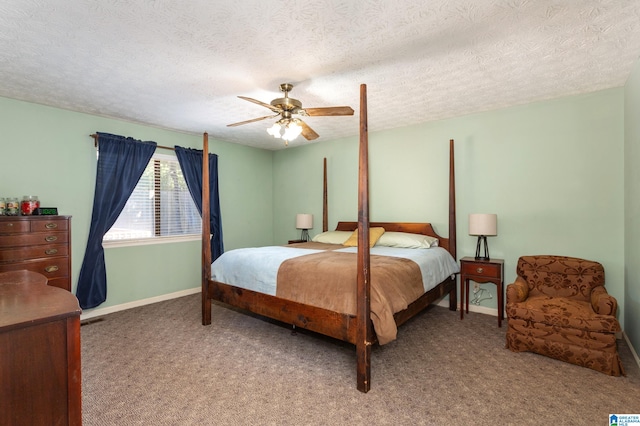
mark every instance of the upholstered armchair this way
{"type": "Point", "coordinates": [558, 307]}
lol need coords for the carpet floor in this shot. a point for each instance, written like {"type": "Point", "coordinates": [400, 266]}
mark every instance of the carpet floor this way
{"type": "Point", "coordinates": [157, 365]}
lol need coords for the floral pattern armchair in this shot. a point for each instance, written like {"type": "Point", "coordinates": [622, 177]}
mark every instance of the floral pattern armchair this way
{"type": "Point", "coordinates": [558, 307]}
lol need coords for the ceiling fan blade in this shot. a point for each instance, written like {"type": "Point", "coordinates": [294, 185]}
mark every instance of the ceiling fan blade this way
{"type": "Point", "coordinates": [308, 133]}
{"type": "Point", "coordinates": [255, 101]}
{"type": "Point", "coordinates": [252, 120]}
{"type": "Point", "coordinates": [332, 111]}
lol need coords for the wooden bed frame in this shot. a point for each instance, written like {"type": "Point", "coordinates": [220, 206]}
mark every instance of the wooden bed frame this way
{"type": "Point", "coordinates": [357, 329]}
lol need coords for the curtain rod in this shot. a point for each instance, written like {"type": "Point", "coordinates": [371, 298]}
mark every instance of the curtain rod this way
{"type": "Point", "coordinates": [95, 143]}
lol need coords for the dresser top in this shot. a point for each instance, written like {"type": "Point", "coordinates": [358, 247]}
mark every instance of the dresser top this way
{"type": "Point", "coordinates": [26, 299]}
{"type": "Point", "coordinates": [33, 217]}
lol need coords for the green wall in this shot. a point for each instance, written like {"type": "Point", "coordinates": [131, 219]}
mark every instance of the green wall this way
{"type": "Point", "coordinates": [632, 206]}
{"type": "Point", "coordinates": [48, 152]}
{"type": "Point", "coordinates": [552, 171]}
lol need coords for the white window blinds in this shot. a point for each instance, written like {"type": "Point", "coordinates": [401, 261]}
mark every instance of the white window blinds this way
{"type": "Point", "coordinates": [160, 205]}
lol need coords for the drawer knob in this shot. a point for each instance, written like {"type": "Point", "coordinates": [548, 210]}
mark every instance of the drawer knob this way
{"type": "Point", "coordinates": [50, 238]}
{"type": "Point", "coordinates": [51, 251]}
{"type": "Point", "coordinates": [51, 225]}
{"type": "Point", "coordinates": [52, 268]}
{"type": "Point", "coordinates": [479, 270]}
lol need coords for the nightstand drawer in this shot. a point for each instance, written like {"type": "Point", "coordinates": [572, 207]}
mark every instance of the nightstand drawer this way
{"type": "Point", "coordinates": [482, 269]}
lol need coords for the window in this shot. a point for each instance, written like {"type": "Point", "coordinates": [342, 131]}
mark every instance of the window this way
{"type": "Point", "coordinates": [159, 208]}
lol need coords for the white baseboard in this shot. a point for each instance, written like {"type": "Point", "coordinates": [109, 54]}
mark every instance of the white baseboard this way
{"type": "Point", "coordinates": [472, 308]}
{"type": "Point", "coordinates": [633, 351]}
{"type": "Point", "coordinates": [116, 308]}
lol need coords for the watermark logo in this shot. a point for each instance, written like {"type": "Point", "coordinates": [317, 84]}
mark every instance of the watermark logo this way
{"type": "Point", "coordinates": [624, 419]}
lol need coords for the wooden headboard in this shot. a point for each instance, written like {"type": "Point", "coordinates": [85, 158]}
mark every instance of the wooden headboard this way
{"type": "Point", "coordinates": [410, 227]}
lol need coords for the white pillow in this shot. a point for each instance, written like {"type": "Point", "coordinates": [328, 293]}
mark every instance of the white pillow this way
{"type": "Point", "coordinates": [332, 237]}
{"type": "Point", "coordinates": [406, 240]}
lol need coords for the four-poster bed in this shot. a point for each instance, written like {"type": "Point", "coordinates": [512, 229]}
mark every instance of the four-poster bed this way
{"type": "Point", "coordinates": [354, 327]}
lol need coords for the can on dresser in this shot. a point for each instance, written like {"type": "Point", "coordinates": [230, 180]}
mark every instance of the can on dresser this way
{"type": "Point", "coordinates": [12, 207]}
{"type": "Point", "coordinates": [29, 204]}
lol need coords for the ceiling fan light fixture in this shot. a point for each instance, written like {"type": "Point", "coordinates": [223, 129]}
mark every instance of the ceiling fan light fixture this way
{"type": "Point", "coordinates": [274, 130]}
{"type": "Point", "coordinates": [291, 131]}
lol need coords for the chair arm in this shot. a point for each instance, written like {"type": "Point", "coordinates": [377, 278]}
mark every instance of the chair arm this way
{"type": "Point", "coordinates": [602, 302]}
{"type": "Point", "coordinates": [518, 291]}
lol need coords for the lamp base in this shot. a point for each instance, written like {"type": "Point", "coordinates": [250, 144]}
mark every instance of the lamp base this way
{"type": "Point", "coordinates": [482, 239]}
{"type": "Point", "coordinates": [305, 235]}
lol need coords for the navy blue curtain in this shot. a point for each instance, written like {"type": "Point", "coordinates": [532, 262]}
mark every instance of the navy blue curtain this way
{"type": "Point", "coordinates": [191, 164]}
{"type": "Point", "coordinates": [121, 162]}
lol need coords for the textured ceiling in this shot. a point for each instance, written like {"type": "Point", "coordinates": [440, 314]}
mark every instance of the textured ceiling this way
{"type": "Point", "coordinates": [181, 64]}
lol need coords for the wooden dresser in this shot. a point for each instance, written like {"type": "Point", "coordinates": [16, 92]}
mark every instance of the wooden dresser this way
{"type": "Point", "coordinates": [40, 371]}
{"type": "Point", "coordinates": [37, 243]}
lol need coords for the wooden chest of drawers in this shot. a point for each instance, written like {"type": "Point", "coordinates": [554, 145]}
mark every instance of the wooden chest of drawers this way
{"type": "Point", "coordinates": [37, 243]}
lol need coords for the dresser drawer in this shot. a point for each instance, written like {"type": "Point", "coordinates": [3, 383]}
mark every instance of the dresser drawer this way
{"type": "Point", "coordinates": [50, 268]}
{"type": "Point", "coordinates": [14, 226]}
{"type": "Point", "coordinates": [49, 225]}
{"type": "Point", "coordinates": [34, 252]}
{"type": "Point", "coordinates": [21, 240]}
{"type": "Point", "coordinates": [492, 270]}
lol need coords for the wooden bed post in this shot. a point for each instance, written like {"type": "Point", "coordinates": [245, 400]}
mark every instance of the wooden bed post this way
{"type": "Point", "coordinates": [363, 333]}
{"type": "Point", "coordinates": [325, 212]}
{"type": "Point", "coordinates": [452, 221]}
{"type": "Point", "coordinates": [452, 202]}
{"type": "Point", "coordinates": [206, 233]}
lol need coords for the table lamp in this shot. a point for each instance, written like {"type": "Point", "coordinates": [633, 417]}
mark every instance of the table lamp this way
{"type": "Point", "coordinates": [304, 221]}
{"type": "Point", "coordinates": [483, 225]}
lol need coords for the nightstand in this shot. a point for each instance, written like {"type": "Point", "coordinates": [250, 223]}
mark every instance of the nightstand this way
{"type": "Point", "coordinates": [481, 271]}
{"type": "Point", "coordinates": [297, 241]}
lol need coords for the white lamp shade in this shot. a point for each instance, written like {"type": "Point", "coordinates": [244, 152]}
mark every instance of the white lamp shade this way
{"type": "Point", "coordinates": [483, 224]}
{"type": "Point", "coordinates": [304, 221]}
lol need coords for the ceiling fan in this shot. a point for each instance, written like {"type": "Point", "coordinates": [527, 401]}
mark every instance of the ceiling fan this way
{"type": "Point", "coordinates": [289, 126]}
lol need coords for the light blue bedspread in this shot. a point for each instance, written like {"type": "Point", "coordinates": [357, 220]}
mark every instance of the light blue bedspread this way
{"type": "Point", "coordinates": [256, 268]}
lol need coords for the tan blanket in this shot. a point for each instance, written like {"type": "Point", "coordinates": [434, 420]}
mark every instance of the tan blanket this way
{"type": "Point", "coordinates": [328, 280]}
